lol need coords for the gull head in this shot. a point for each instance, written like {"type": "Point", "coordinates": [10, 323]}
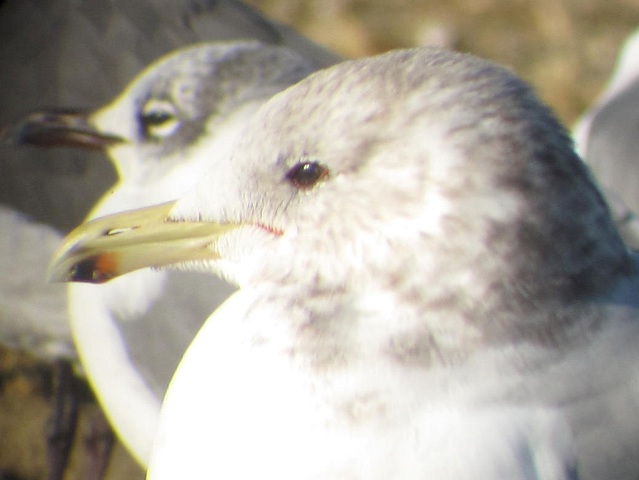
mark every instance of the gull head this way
{"type": "Point", "coordinates": [424, 170]}
{"type": "Point", "coordinates": [181, 110]}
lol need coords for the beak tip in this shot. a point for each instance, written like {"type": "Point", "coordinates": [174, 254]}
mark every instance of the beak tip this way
{"type": "Point", "coordinates": [88, 270]}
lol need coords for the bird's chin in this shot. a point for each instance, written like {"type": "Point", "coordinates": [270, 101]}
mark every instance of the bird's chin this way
{"type": "Point", "coordinates": [245, 252]}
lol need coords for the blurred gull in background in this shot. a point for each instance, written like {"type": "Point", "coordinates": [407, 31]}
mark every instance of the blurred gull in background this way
{"type": "Point", "coordinates": [175, 119]}
{"type": "Point", "coordinates": [607, 137]}
{"type": "Point", "coordinates": [81, 56]}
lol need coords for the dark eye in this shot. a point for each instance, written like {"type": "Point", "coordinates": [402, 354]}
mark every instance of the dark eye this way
{"type": "Point", "coordinates": [159, 118]}
{"type": "Point", "coordinates": [156, 118]}
{"type": "Point", "coordinates": [306, 174]}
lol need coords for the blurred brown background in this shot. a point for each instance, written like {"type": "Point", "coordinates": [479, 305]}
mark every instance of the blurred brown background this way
{"type": "Point", "coordinates": [565, 48]}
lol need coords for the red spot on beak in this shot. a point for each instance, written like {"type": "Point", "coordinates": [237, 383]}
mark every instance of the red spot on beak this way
{"type": "Point", "coordinates": [107, 264]}
{"type": "Point", "coordinates": [97, 269]}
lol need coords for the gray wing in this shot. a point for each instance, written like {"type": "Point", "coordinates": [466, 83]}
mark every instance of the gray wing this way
{"type": "Point", "coordinates": [33, 314]}
{"type": "Point", "coordinates": [590, 376]}
{"type": "Point", "coordinates": [625, 219]}
{"type": "Point", "coordinates": [612, 147]}
{"type": "Point", "coordinates": [159, 340]}
{"type": "Point", "coordinates": [607, 137]}
{"type": "Point", "coordinates": [603, 412]}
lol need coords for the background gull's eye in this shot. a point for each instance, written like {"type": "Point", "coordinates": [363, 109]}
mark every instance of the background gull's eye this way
{"type": "Point", "coordinates": [306, 174]}
{"type": "Point", "coordinates": [159, 118]}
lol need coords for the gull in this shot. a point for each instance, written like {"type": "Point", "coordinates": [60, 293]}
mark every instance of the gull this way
{"type": "Point", "coordinates": [80, 55]}
{"type": "Point", "coordinates": [172, 121]}
{"type": "Point", "coordinates": [431, 286]}
{"type": "Point", "coordinates": [606, 136]}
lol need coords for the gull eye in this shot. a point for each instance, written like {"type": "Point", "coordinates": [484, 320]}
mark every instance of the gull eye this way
{"type": "Point", "coordinates": [306, 174]}
{"type": "Point", "coordinates": [159, 118]}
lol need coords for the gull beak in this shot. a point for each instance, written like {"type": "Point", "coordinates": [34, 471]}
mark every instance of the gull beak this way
{"type": "Point", "coordinates": [60, 128]}
{"type": "Point", "coordinates": [108, 247]}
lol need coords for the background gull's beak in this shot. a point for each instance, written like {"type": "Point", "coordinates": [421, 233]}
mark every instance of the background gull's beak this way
{"type": "Point", "coordinates": [111, 246]}
{"type": "Point", "coordinates": [59, 128]}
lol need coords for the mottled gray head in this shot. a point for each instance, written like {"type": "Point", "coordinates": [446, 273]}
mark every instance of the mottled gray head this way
{"type": "Point", "coordinates": [436, 174]}
{"type": "Point", "coordinates": [420, 158]}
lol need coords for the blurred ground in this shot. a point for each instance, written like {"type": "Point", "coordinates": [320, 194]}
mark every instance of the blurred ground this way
{"type": "Point", "coordinates": [565, 48]}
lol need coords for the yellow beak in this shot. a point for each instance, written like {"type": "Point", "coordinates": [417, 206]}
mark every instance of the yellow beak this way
{"type": "Point", "coordinates": [111, 246]}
